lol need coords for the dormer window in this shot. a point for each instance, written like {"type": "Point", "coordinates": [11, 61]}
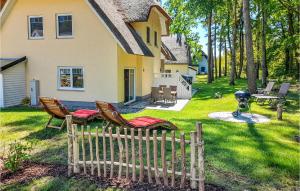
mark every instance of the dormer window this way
{"type": "Point", "coordinates": [148, 35]}
{"type": "Point", "coordinates": [35, 27]}
{"type": "Point", "coordinates": [64, 27]}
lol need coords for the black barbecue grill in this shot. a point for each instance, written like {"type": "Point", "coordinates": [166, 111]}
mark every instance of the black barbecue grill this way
{"type": "Point", "coordinates": [243, 99]}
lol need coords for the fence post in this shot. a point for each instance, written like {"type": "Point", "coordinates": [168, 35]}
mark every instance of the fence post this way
{"type": "Point", "coordinates": [200, 156]}
{"type": "Point", "coordinates": [183, 160]}
{"type": "Point", "coordinates": [70, 143]}
{"type": "Point", "coordinates": [75, 148]}
{"type": "Point", "coordinates": [193, 160]}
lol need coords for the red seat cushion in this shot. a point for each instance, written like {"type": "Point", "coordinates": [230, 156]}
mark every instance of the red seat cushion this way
{"type": "Point", "coordinates": [85, 113]}
{"type": "Point", "coordinates": [145, 121]}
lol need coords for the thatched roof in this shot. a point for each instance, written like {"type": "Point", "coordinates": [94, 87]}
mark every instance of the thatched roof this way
{"type": "Point", "coordinates": [138, 10]}
{"type": "Point", "coordinates": [178, 49]}
{"type": "Point", "coordinates": [2, 2]}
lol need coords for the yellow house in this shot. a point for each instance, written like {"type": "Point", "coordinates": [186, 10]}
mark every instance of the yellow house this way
{"type": "Point", "coordinates": [175, 55]}
{"type": "Point", "coordinates": [86, 50]}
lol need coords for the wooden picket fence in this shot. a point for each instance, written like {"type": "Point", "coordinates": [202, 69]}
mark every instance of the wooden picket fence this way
{"type": "Point", "coordinates": [92, 157]}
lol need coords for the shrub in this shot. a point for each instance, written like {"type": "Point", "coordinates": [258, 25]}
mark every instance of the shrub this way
{"type": "Point", "coordinates": [17, 153]}
{"type": "Point", "coordinates": [26, 101]}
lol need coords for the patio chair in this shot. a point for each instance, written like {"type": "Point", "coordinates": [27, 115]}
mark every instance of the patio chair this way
{"type": "Point", "coordinates": [270, 99]}
{"type": "Point", "coordinates": [113, 117]}
{"type": "Point", "coordinates": [161, 87]}
{"type": "Point", "coordinates": [56, 110]}
{"type": "Point", "coordinates": [155, 94]}
{"type": "Point", "coordinates": [168, 96]}
{"type": "Point", "coordinates": [174, 90]}
{"type": "Point", "coordinates": [265, 91]}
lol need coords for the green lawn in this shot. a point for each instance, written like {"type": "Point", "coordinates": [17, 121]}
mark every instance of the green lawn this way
{"type": "Point", "coordinates": [238, 156]}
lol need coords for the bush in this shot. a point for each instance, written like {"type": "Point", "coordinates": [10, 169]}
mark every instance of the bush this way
{"type": "Point", "coordinates": [26, 101]}
{"type": "Point", "coordinates": [17, 153]}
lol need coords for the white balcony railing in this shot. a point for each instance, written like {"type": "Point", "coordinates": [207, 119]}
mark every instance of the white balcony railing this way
{"type": "Point", "coordinates": [184, 89]}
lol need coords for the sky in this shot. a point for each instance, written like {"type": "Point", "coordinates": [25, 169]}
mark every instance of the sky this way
{"type": "Point", "coordinates": [202, 33]}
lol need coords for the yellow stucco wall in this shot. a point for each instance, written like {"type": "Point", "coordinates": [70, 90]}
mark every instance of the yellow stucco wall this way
{"type": "Point", "coordinates": [181, 68]}
{"type": "Point", "coordinates": [150, 65]}
{"type": "Point", "coordinates": [92, 47]}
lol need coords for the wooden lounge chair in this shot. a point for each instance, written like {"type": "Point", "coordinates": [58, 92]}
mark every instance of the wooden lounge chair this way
{"type": "Point", "coordinates": [56, 110]}
{"type": "Point", "coordinates": [113, 117]}
{"type": "Point", "coordinates": [270, 99]}
{"type": "Point", "coordinates": [266, 91]}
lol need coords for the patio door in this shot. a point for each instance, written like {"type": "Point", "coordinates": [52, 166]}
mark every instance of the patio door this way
{"type": "Point", "coordinates": [129, 86]}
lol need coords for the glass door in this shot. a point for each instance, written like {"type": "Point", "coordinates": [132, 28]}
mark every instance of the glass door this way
{"type": "Point", "coordinates": [129, 86]}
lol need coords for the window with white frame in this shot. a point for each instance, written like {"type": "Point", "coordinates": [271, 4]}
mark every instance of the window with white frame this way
{"type": "Point", "coordinates": [64, 24]}
{"type": "Point", "coordinates": [35, 27]}
{"type": "Point", "coordinates": [70, 78]}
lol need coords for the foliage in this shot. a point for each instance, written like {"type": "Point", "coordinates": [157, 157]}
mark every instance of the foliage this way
{"type": "Point", "coordinates": [25, 101]}
{"type": "Point", "coordinates": [282, 26]}
{"type": "Point", "coordinates": [183, 23]}
{"type": "Point", "coordinates": [17, 153]}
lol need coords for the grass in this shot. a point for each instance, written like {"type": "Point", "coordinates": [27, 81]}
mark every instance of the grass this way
{"type": "Point", "coordinates": [238, 156]}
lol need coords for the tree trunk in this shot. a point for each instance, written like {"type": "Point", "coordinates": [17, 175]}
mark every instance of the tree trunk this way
{"type": "Point", "coordinates": [220, 55]}
{"type": "Point", "coordinates": [233, 56]}
{"type": "Point", "coordinates": [251, 77]}
{"type": "Point", "coordinates": [263, 47]}
{"type": "Point", "coordinates": [291, 33]}
{"type": "Point", "coordinates": [215, 52]}
{"type": "Point", "coordinates": [241, 50]}
{"type": "Point", "coordinates": [209, 79]}
{"type": "Point", "coordinates": [225, 52]}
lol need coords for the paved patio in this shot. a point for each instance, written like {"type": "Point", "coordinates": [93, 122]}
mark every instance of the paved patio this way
{"type": "Point", "coordinates": [146, 104]}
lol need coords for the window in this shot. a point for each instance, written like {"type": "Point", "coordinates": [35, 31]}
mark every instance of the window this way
{"type": "Point", "coordinates": [155, 38]}
{"type": "Point", "coordinates": [70, 78]}
{"type": "Point", "coordinates": [36, 28]}
{"type": "Point", "coordinates": [148, 34]}
{"type": "Point", "coordinates": [64, 26]}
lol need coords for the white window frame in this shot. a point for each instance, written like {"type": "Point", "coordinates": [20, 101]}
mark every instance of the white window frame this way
{"type": "Point", "coordinates": [29, 28]}
{"type": "Point", "coordinates": [71, 76]}
{"type": "Point", "coordinates": [57, 26]}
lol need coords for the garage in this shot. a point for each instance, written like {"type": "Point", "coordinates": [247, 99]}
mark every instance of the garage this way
{"type": "Point", "coordinates": [12, 81]}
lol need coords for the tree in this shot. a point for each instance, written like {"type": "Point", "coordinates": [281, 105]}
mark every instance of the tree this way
{"type": "Point", "coordinates": [251, 76]}
{"type": "Point", "coordinates": [263, 45]}
{"type": "Point", "coordinates": [233, 54]}
{"type": "Point", "coordinates": [209, 51]}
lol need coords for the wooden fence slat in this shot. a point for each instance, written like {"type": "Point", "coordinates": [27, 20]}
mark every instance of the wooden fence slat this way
{"type": "Point", "coordinates": [156, 172]}
{"type": "Point", "coordinates": [97, 152]}
{"type": "Point", "coordinates": [120, 154]}
{"type": "Point", "coordinates": [83, 149]}
{"type": "Point", "coordinates": [173, 158]}
{"type": "Point", "coordinates": [144, 138]}
{"type": "Point", "coordinates": [183, 161]}
{"type": "Point", "coordinates": [70, 143]}
{"type": "Point", "coordinates": [111, 144]}
{"type": "Point", "coordinates": [200, 144]}
{"type": "Point", "coordinates": [75, 148]}
{"type": "Point", "coordinates": [193, 160]}
{"type": "Point", "coordinates": [126, 153]}
{"type": "Point", "coordinates": [141, 179]}
{"type": "Point", "coordinates": [91, 150]}
{"type": "Point", "coordinates": [163, 157]}
{"type": "Point", "coordinates": [104, 152]}
{"type": "Point", "coordinates": [133, 155]}
{"type": "Point", "coordinates": [148, 155]}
